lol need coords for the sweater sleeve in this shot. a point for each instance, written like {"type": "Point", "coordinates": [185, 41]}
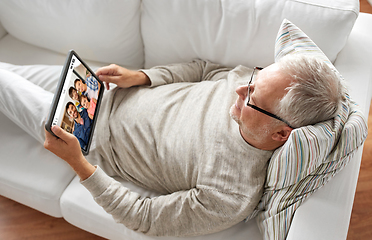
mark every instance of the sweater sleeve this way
{"type": "Point", "coordinates": [195, 71]}
{"type": "Point", "coordinates": [185, 213]}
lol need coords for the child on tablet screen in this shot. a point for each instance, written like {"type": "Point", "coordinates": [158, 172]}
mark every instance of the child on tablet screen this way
{"type": "Point", "coordinates": [90, 88]}
{"type": "Point", "coordinates": [90, 106]}
{"type": "Point", "coordinates": [74, 95]}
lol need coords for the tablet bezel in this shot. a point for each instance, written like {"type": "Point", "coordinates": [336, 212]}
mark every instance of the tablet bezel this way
{"type": "Point", "coordinates": [58, 93]}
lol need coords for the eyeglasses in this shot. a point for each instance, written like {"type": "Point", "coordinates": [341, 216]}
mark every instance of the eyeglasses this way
{"type": "Point", "coordinates": [254, 74]}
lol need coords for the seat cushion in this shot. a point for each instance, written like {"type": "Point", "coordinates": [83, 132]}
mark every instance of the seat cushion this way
{"type": "Point", "coordinates": [29, 174]}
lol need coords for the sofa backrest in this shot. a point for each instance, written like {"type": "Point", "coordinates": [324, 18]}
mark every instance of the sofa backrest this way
{"type": "Point", "coordinates": [136, 34]}
{"type": "Point", "coordinates": [103, 31]}
{"type": "Point", "coordinates": [2, 31]}
{"type": "Point", "coordinates": [239, 31]}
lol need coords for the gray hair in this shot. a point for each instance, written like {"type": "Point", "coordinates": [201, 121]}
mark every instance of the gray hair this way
{"type": "Point", "coordinates": [315, 93]}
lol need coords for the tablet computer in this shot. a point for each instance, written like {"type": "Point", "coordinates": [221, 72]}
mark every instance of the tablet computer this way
{"type": "Point", "coordinates": [76, 101]}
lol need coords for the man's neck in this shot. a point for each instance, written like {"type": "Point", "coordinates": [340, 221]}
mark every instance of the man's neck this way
{"type": "Point", "coordinates": [269, 145]}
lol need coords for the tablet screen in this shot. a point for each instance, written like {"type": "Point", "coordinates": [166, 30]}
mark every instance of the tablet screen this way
{"type": "Point", "coordinates": [77, 104]}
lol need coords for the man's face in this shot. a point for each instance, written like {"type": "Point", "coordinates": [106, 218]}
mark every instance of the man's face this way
{"type": "Point", "coordinates": [72, 111]}
{"type": "Point", "coordinates": [80, 86]}
{"type": "Point", "coordinates": [266, 91]}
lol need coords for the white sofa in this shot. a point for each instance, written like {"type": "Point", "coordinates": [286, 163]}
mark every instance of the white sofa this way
{"type": "Point", "coordinates": [138, 34]}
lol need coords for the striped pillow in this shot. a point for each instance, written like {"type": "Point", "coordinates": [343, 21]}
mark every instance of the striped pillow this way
{"type": "Point", "coordinates": [312, 155]}
{"type": "Point", "coordinates": [291, 40]}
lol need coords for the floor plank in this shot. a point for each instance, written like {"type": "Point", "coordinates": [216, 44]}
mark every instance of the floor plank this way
{"type": "Point", "coordinates": [21, 222]}
{"type": "Point", "coordinates": [361, 217]}
{"type": "Point", "coordinates": [365, 6]}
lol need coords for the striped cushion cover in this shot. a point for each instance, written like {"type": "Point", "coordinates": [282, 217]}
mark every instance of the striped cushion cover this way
{"type": "Point", "coordinates": [312, 155]}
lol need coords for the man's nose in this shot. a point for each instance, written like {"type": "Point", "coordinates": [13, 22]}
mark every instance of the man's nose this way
{"type": "Point", "coordinates": [242, 91]}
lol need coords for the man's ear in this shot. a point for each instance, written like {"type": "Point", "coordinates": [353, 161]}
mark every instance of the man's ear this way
{"type": "Point", "coordinates": [282, 134]}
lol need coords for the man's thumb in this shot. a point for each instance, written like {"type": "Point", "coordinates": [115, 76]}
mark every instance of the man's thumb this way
{"type": "Point", "coordinates": [60, 133]}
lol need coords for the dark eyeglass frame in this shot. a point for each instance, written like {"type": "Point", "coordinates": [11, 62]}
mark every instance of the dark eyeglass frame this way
{"type": "Point", "coordinates": [260, 109]}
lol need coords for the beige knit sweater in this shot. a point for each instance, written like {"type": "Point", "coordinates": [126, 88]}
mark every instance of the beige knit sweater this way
{"type": "Point", "coordinates": [178, 138]}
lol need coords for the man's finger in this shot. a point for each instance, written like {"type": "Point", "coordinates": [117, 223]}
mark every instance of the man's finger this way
{"type": "Point", "coordinates": [107, 70]}
{"type": "Point", "coordinates": [50, 140]}
{"type": "Point", "coordinates": [103, 71]}
{"type": "Point", "coordinates": [104, 78]}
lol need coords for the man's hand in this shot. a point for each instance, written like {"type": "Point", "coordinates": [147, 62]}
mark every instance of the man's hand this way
{"type": "Point", "coordinates": [122, 77]}
{"type": "Point", "coordinates": [67, 147]}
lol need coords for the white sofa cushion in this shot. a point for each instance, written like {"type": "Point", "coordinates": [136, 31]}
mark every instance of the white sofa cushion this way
{"type": "Point", "coordinates": [238, 32]}
{"type": "Point", "coordinates": [2, 31]}
{"type": "Point", "coordinates": [29, 173]}
{"type": "Point", "coordinates": [103, 31]}
{"type": "Point", "coordinates": [15, 51]}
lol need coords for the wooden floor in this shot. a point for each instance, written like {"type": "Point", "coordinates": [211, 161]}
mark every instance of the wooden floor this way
{"type": "Point", "coordinates": [19, 222]}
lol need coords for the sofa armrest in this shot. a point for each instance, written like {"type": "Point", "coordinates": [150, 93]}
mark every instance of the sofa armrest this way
{"type": "Point", "coordinates": [355, 62]}
{"type": "Point", "coordinates": [3, 32]}
{"type": "Point", "coordinates": [326, 214]}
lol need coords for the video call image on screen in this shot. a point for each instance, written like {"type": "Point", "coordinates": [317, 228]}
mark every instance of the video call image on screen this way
{"type": "Point", "coordinates": [76, 107]}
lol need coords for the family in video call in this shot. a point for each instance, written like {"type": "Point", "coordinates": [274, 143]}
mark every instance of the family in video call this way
{"type": "Point", "coordinates": [80, 110]}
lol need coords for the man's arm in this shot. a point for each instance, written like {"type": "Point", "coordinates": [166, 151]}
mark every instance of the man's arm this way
{"type": "Point", "coordinates": [122, 77]}
{"type": "Point", "coordinates": [192, 212]}
{"type": "Point", "coordinates": [195, 71]}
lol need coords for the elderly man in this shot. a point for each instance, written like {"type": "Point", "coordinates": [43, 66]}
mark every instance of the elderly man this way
{"type": "Point", "coordinates": [182, 131]}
